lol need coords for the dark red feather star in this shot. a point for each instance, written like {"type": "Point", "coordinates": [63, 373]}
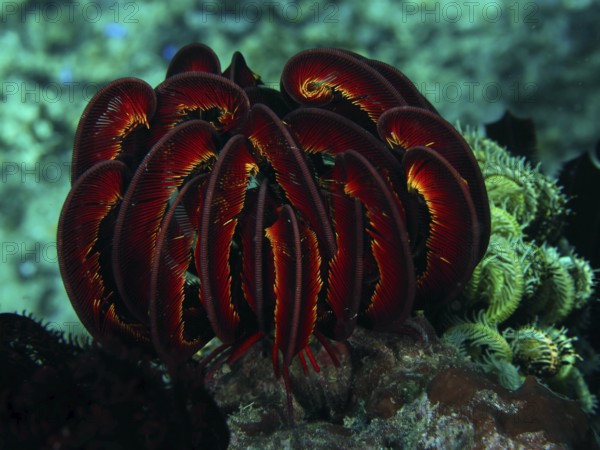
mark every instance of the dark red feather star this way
{"type": "Point", "coordinates": [214, 206]}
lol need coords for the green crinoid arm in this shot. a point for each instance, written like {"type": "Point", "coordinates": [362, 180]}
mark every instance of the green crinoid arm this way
{"type": "Point", "coordinates": [478, 340]}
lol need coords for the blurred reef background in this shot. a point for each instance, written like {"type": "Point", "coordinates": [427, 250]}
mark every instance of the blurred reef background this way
{"type": "Point", "coordinates": [473, 61]}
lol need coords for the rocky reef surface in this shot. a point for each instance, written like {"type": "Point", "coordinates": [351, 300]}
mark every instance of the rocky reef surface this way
{"type": "Point", "coordinates": [472, 61]}
{"type": "Point", "coordinates": [396, 391]}
{"type": "Point", "coordinates": [393, 391]}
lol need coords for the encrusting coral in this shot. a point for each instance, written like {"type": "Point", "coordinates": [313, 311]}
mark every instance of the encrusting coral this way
{"type": "Point", "coordinates": [529, 297]}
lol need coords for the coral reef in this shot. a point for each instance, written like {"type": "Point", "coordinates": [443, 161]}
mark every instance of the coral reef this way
{"type": "Point", "coordinates": [525, 310]}
{"type": "Point", "coordinates": [394, 391]}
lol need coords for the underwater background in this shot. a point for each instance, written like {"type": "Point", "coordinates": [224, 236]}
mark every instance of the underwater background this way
{"type": "Point", "coordinates": [472, 60]}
